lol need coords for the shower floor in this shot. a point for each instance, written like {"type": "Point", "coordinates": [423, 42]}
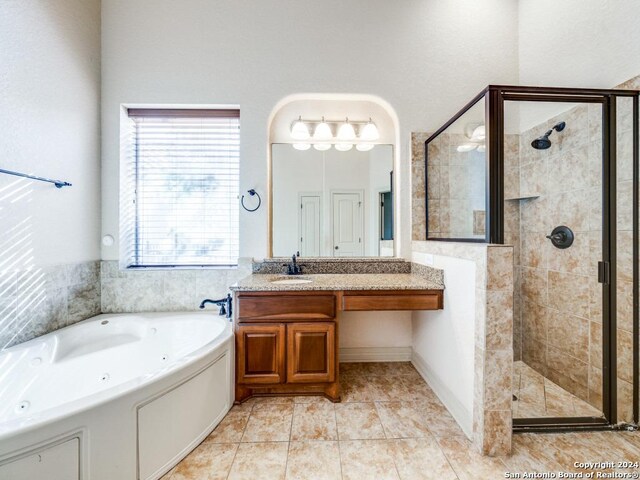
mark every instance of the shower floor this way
{"type": "Point", "coordinates": [538, 396]}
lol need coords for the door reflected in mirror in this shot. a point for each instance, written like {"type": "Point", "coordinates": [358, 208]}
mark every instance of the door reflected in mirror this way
{"type": "Point", "coordinates": [331, 203]}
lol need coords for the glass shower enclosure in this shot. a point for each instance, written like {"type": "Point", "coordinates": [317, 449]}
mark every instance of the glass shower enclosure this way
{"type": "Point", "coordinates": [553, 172]}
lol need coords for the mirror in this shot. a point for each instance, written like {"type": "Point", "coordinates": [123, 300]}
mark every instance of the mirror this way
{"type": "Point", "coordinates": [332, 203]}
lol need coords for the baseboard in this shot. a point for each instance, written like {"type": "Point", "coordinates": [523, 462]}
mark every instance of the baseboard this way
{"type": "Point", "coordinates": [375, 354]}
{"type": "Point", "coordinates": [459, 412]}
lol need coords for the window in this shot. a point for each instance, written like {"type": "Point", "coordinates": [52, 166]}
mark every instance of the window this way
{"type": "Point", "coordinates": [180, 192]}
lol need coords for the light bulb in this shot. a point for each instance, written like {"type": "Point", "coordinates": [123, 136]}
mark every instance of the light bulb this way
{"type": "Point", "coordinates": [467, 147]}
{"type": "Point", "coordinates": [346, 132]}
{"type": "Point", "coordinates": [364, 147]}
{"type": "Point", "coordinates": [322, 131]}
{"type": "Point", "coordinates": [302, 146]}
{"type": "Point", "coordinates": [299, 130]}
{"type": "Point", "coordinates": [369, 132]}
{"type": "Point", "coordinates": [344, 147]}
{"type": "Point", "coordinates": [479, 134]}
{"type": "Point", "coordinates": [322, 147]}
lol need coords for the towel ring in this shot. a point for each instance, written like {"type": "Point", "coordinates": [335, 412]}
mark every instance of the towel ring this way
{"type": "Point", "coordinates": [251, 192]}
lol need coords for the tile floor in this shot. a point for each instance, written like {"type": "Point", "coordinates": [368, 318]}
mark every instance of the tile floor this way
{"type": "Point", "coordinates": [390, 425]}
{"type": "Point", "coordinates": [538, 396]}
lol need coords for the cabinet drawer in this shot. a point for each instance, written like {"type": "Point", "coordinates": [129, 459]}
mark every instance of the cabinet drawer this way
{"type": "Point", "coordinates": [395, 300]}
{"type": "Point", "coordinates": [286, 307]}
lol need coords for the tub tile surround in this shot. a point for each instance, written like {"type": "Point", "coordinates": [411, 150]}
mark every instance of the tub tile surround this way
{"type": "Point", "coordinates": [125, 291]}
{"type": "Point", "coordinates": [39, 300]}
{"type": "Point", "coordinates": [493, 338]}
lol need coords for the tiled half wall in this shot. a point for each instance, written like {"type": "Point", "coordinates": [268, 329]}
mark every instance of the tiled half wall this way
{"type": "Point", "coordinates": [486, 358]}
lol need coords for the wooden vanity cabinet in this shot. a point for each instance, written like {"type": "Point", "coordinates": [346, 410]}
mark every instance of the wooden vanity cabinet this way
{"type": "Point", "coordinates": [286, 343]}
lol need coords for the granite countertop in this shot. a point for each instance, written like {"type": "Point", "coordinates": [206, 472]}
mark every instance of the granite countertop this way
{"type": "Point", "coordinates": [350, 281]}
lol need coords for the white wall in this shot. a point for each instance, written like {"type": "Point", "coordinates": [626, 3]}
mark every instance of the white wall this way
{"type": "Point", "coordinates": [443, 340]}
{"type": "Point", "coordinates": [49, 119]}
{"type": "Point", "coordinates": [254, 53]}
{"type": "Point", "coordinates": [576, 43]}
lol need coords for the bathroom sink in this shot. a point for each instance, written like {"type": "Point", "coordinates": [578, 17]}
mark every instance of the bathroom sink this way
{"type": "Point", "coordinates": [291, 281]}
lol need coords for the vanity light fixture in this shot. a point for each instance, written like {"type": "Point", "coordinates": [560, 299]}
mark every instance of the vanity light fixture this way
{"type": "Point", "coordinates": [346, 132]}
{"type": "Point", "coordinates": [323, 139]}
{"type": "Point", "coordinates": [299, 130]}
{"type": "Point", "coordinates": [364, 147]}
{"type": "Point", "coordinates": [369, 132]}
{"type": "Point", "coordinates": [322, 131]}
{"type": "Point", "coordinates": [344, 147]}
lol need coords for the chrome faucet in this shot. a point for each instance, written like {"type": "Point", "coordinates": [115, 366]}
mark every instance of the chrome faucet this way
{"type": "Point", "coordinates": [293, 268]}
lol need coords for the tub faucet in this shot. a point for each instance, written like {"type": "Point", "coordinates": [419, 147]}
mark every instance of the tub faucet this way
{"type": "Point", "coordinates": [223, 303]}
{"type": "Point", "coordinates": [293, 268]}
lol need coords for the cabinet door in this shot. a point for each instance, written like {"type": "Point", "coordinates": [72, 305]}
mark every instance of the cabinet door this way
{"type": "Point", "coordinates": [260, 350]}
{"type": "Point", "coordinates": [311, 352]}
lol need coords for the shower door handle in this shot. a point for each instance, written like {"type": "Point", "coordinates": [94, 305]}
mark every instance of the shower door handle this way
{"type": "Point", "coordinates": [604, 272]}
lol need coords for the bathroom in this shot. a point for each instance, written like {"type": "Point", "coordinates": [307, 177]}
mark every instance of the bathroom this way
{"type": "Point", "coordinates": [492, 353]}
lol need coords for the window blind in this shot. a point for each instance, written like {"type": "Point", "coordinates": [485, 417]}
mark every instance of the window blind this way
{"type": "Point", "coordinates": [183, 183]}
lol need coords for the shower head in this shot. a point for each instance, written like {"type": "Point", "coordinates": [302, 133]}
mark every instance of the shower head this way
{"type": "Point", "coordinates": [543, 142]}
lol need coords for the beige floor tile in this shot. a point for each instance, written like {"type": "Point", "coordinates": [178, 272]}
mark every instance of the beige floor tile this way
{"type": "Point", "coordinates": [209, 461]}
{"type": "Point", "coordinates": [245, 407]}
{"type": "Point", "coordinates": [167, 476]}
{"type": "Point", "coordinates": [314, 421]}
{"type": "Point", "coordinates": [269, 423]}
{"type": "Point", "coordinates": [403, 420]}
{"type": "Point", "coordinates": [276, 399]}
{"type": "Point", "coordinates": [358, 421]}
{"type": "Point", "coordinates": [264, 461]}
{"type": "Point", "coordinates": [385, 388]}
{"type": "Point", "coordinates": [420, 459]}
{"type": "Point", "coordinates": [417, 389]}
{"type": "Point", "coordinates": [469, 464]}
{"type": "Point", "coordinates": [314, 460]}
{"type": "Point", "coordinates": [367, 459]}
{"type": "Point", "coordinates": [355, 389]}
{"type": "Point", "coordinates": [538, 396]}
{"type": "Point", "coordinates": [311, 399]}
{"type": "Point", "coordinates": [231, 428]}
{"type": "Point", "coordinates": [528, 454]}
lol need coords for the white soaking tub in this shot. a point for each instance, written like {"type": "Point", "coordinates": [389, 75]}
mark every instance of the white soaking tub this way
{"type": "Point", "coordinates": [116, 397]}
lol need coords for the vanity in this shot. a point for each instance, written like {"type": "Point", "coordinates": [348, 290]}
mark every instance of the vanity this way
{"type": "Point", "coordinates": [287, 327]}
{"type": "Point", "coordinates": [334, 207]}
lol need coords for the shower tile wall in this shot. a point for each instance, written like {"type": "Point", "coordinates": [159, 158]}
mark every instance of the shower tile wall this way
{"type": "Point", "coordinates": [39, 300]}
{"type": "Point", "coordinates": [559, 300]}
{"type": "Point", "coordinates": [456, 192]}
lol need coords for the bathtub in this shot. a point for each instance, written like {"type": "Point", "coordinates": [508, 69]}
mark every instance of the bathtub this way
{"type": "Point", "coordinates": [113, 397]}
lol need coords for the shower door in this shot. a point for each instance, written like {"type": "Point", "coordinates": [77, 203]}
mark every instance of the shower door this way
{"type": "Point", "coordinates": [562, 213]}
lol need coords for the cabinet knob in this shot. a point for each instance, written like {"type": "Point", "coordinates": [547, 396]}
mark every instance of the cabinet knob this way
{"type": "Point", "coordinates": [336, 247]}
